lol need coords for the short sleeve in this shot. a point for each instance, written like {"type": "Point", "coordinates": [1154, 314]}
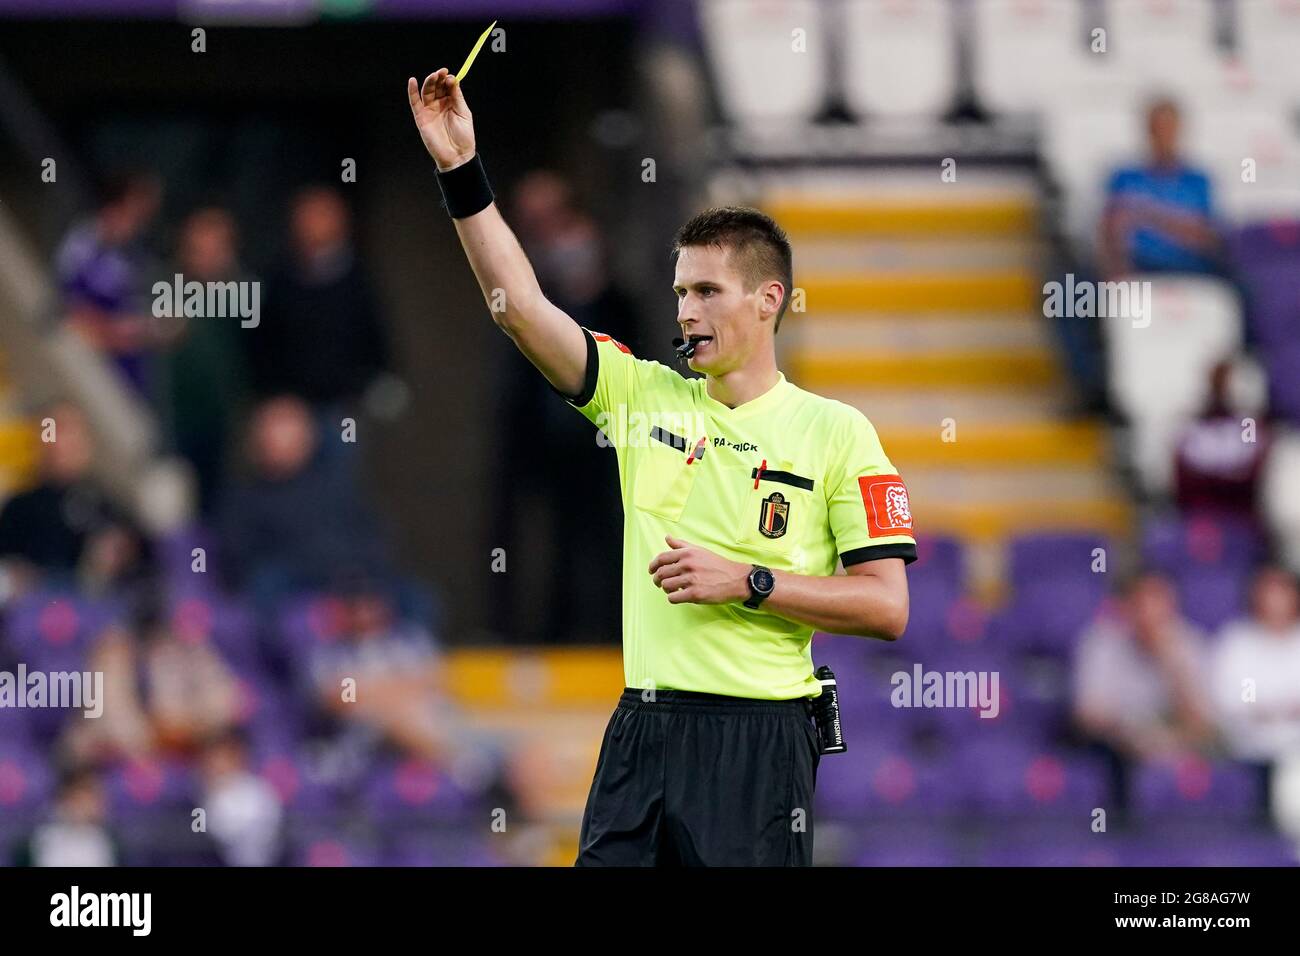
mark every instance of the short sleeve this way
{"type": "Point", "coordinates": [870, 514]}
{"type": "Point", "coordinates": [610, 378]}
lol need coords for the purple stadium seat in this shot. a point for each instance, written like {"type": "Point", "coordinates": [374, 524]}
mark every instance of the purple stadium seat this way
{"type": "Point", "coordinates": [1035, 556]}
{"type": "Point", "coordinates": [442, 849]}
{"type": "Point", "coordinates": [176, 555]}
{"type": "Point", "coordinates": [1193, 787]}
{"type": "Point", "coordinates": [874, 778]}
{"type": "Point", "coordinates": [302, 788]}
{"type": "Point", "coordinates": [26, 781]}
{"type": "Point", "coordinates": [1284, 379]}
{"type": "Point", "coordinates": [1009, 777]}
{"type": "Point", "coordinates": [329, 849]}
{"type": "Point", "coordinates": [940, 558]}
{"type": "Point", "coordinates": [413, 788]}
{"type": "Point", "coordinates": [1274, 301]}
{"type": "Point", "coordinates": [905, 850]}
{"type": "Point", "coordinates": [199, 614]}
{"type": "Point", "coordinates": [148, 787]}
{"type": "Point", "coordinates": [1075, 849]}
{"type": "Point", "coordinates": [1266, 243]}
{"type": "Point", "coordinates": [53, 630]}
{"type": "Point", "coordinates": [1224, 845]}
{"type": "Point", "coordinates": [1173, 543]}
{"type": "Point", "coordinates": [1211, 597]}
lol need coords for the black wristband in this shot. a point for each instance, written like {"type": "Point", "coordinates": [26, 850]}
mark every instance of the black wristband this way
{"type": "Point", "coordinates": [465, 189]}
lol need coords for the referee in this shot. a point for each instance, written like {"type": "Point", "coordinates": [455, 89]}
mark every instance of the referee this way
{"type": "Point", "coordinates": [741, 494]}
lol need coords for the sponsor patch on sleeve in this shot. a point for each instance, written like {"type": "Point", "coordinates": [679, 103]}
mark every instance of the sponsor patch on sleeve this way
{"type": "Point", "coordinates": [602, 337]}
{"type": "Point", "coordinates": [888, 510]}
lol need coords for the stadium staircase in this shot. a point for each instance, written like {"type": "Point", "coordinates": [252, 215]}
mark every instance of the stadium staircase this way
{"type": "Point", "coordinates": [923, 309]}
{"type": "Point", "coordinates": [18, 438]}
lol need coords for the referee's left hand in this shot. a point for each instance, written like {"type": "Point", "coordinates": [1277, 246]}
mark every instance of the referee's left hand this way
{"type": "Point", "coordinates": [694, 575]}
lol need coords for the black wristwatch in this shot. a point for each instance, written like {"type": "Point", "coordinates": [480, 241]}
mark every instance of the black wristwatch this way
{"type": "Point", "coordinates": [761, 583]}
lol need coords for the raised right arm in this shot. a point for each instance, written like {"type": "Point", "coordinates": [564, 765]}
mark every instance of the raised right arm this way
{"type": "Point", "coordinates": [547, 336]}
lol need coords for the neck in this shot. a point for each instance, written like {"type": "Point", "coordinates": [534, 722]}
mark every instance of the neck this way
{"type": "Point", "coordinates": [743, 384]}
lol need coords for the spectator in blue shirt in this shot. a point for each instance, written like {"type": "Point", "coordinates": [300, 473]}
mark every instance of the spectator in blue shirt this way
{"type": "Point", "coordinates": [1159, 216]}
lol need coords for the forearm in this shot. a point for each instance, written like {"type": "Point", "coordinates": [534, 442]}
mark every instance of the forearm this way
{"type": "Point", "coordinates": [504, 273]}
{"type": "Point", "coordinates": [863, 606]}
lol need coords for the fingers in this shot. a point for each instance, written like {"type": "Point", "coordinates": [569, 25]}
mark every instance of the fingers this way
{"type": "Point", "coordinates": [429, 89]}
{"type": "Point", "coordinates": [666, 569]}
{"type": "Point", "coordinates": [413, 94]}
{"type": "Point", "coordinates": [676, 582]}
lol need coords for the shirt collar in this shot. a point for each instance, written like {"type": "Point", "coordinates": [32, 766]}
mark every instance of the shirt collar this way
{"type": "Point", "coordinates": [757, 405]}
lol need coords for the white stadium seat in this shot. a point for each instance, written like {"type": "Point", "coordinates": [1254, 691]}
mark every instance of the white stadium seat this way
{"type": "Point", "coordinates": [1026, 53]}
{"type": "Point", "coordinates": [1163, 43]}
{"type": "Point", "coordinates": [1268, 40]}
{"type": "Point", "coordinates": [1278, 500]}
{"type": "Point", "coordinates": [1082, 147]}
{"type": "Point", "coordinates": [1219, 137]}
{"type": "Point", "coordinates": [1159, 372]}
{"type": "Point", "coordinates": [899, 57]}
{"type": "Point", "coordinates": [765, 70]}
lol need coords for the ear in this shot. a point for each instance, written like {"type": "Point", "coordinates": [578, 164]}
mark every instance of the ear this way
{"type": "Point", "coordinates": [772, 294]}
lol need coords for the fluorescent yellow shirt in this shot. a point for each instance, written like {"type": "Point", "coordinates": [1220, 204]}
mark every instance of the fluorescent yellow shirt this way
{"type": "Point", "coordinates": [689, 466]}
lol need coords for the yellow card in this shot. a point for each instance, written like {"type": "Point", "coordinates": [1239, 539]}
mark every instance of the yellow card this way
{"type": "Point", "coordinates": [469, 60]}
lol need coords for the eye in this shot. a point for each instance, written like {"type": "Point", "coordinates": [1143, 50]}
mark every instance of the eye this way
{"type": "Point", "coordinates": [706, 292]}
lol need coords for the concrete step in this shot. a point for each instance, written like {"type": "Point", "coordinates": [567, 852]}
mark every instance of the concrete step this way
{"type": "Point", "coordinates": [927, 214]}
{"type": "Point", "coordinates": [895, 332]}
{"type": "Point", "coordinates": [1012, 290]}
{"type": "Point", "coordinates": [927, 408]}
{"type": "Point", "coordinates": [993, 369]}
{"type": "Point", "coordinates": [939, 486]}
{"type": "Point", "coordinates": [917, 254]}
{"type": "Point", "coordinates": [1045, 443]}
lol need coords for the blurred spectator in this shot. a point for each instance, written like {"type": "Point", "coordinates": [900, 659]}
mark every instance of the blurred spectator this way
{"type": "Point", "coordinates": [205, 374]}
{"type": "Point", "coordinates": [1138, 677]}
{"type": "Point", "coordinates": [552, 467]}
{"type": "Point", "coordinates": [298, 522]}
{"type": "Point", "coordinates": [122, 731]}
{"type": "Point", "coordinates": [76, 833]}
{"type": "Point", "coordinates": [1159, 216]}
{"type": "Point", "coordinates": [65, 527]}
{"type": "Point", "coordinates": [395, 672]}
{"type": "Point", "coordinates": [395, 695]}
{"type": "Point", "coordinates": [244, 814]}
{"type": "Point", "coordinates": [191, 694]}
{"type": "Point", "coordinates": [321, 336]}
{"type": "Point", "coordinates": [1217, 470]}
{"type": "Point", "coordinates": [103, 273]}
{"type": "Point", "coordinates": [1256, 672]}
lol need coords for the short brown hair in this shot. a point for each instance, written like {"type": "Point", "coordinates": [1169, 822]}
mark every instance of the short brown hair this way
{"type": "Point", "coordinates": [760, 248]}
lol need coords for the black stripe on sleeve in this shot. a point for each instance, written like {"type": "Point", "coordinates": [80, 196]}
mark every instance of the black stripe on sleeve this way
{"type": "Point", "coordinates": [589, 377]}
{"type": "Point", "coordinates": [873, 552]}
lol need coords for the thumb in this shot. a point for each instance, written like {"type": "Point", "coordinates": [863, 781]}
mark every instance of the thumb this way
{"type": "Point", "coordinates": [676, 542]}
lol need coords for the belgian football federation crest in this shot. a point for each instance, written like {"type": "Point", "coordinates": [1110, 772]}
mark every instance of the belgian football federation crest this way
{"type": "Point", "coordinates": [774, 516]}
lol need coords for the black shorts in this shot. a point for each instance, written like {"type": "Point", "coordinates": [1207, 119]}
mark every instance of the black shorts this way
{"type": "Point", "coordinates": [690, 779]}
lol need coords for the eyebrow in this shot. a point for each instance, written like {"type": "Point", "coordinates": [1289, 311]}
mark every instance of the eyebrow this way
{"type": "Point", "coordinates": [702, 284]}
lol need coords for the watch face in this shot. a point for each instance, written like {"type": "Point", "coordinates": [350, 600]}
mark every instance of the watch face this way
{"type": "Point", "coordinates": [763, 580]}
